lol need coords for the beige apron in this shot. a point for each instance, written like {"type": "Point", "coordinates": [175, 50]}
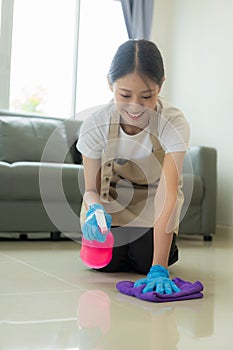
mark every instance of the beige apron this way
{"type": "Point", "coordinates": [128, 187]}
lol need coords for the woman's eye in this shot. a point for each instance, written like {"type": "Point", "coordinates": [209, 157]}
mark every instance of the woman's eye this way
{"type": "Point", "coordinates": [143, 97]}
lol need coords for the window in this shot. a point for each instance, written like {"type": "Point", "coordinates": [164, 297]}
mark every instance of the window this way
{"type": "Point", "coordinates": [42, 56]}
{"type": "Point", "coordinates": [59, 55]}
{"type": "Point", "coordinates": [101, 31]}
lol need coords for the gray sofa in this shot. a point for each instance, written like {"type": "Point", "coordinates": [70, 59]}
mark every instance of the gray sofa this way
{"type": "Point", "coordinates": [199, 216]}
{"type": "Point", "coordinates": [37, 158]}
{"type": "Point", "coordinates": [41, 179]}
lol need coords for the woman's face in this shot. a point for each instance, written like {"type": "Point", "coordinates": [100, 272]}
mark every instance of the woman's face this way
{"type": "Point", "coordinates": [135, 98]}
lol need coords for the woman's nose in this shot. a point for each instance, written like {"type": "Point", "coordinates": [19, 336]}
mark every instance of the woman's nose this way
{"type": "Point", "coordinates": [135, 100]}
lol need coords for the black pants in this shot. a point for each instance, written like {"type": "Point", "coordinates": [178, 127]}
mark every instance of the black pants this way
{"type": "Point", "coordinates": [133, 250]}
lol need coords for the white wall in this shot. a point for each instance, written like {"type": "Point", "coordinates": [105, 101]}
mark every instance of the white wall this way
{"type": "Point", "coordinates": [196, 40]}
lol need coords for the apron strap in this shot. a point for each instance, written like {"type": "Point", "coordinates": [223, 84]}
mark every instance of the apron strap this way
{"type": "Point", "coordinates": [153, 129]}
{"type": "Point", "coordinates": [108, 156]}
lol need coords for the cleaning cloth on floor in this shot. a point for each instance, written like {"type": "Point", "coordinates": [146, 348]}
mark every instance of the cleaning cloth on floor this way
{"type": "Point", "coordinates": [188, 291]}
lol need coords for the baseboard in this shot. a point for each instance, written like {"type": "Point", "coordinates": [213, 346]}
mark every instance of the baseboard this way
{"type": "Point", "coordinates": [224, 229]}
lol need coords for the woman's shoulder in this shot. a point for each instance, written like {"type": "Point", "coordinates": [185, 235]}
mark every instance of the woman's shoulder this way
{"type": "Point", "coordinates": [98, 116]}
{"type": "Point", "coordinates": [169, 114]}
{"type": "Point", "coordinates": [173, 127]}
{"type": "Point", "coordinates": [168, 110]}
{"type": "Point", "coordinates": [94, 132]}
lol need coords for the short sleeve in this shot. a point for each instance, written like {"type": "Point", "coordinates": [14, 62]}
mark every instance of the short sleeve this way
{"type": "Point", "coordinates": [174, 134]}
{"type": "Point", "coordinates": [92, 137]}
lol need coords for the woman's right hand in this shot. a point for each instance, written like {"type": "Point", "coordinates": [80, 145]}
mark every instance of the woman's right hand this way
{"type": "Point", "coordinates": [90, 228]}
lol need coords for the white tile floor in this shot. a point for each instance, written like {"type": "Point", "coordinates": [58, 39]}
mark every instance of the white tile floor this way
{"type": "Point", "coordinates": [50, 300]}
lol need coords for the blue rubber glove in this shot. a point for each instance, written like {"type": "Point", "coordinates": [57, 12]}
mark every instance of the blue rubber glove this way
{"type": "Point", "coordinates": [157, 280]}
{"type": "Point", "coordinates": [90, 227]}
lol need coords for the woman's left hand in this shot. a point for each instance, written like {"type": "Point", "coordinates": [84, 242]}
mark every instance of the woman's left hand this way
{"type": "Point", "coordinates": [158, 280]}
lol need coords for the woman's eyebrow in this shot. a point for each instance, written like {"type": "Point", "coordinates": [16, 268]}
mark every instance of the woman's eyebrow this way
{"type": "Point", "coordinates": [125, 89]}
{"type": "Point", "coordinates": [149, 90]}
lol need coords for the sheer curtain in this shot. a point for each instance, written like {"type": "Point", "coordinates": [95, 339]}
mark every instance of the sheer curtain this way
{"type": "Point", "coordinates": [138, 17]}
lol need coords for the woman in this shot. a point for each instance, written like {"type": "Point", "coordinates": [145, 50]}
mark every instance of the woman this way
{"type": "Point", "coordinates": [133, 150]}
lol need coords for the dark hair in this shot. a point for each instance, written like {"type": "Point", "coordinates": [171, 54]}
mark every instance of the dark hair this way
{"type": "Point", "coordinates": [141, 56]}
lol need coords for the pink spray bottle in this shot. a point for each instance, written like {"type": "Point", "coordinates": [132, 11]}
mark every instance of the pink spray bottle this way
{"type": "Point", "coordinates": [98, 254]}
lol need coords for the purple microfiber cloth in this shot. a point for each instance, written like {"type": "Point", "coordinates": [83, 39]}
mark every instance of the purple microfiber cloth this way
{"type": "Point", "coordinates": [188, 291]}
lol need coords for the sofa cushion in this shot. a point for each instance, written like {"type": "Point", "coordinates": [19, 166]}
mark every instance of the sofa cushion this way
{"type": "Point", "coordinates": [26, 139]}
{"type": "Point", "coordinates": [32, 181]}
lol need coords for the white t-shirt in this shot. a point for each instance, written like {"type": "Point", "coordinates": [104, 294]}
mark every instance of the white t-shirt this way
{"type": "Point", "coordinates": [172, 131]}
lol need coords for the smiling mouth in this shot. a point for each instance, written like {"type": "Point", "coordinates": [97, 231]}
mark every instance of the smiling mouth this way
{"type": "Point", "coordinates": [135, 116]}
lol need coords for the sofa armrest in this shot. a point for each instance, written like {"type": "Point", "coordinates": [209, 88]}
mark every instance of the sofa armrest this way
{"type": "Point", "coordinates": [204, 164]}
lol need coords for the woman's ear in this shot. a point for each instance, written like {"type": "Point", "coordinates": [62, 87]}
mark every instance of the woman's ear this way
{"type": "Point", "coordinates": [110, 85]}
{"type": "Point", "coordinates": [160, 86]}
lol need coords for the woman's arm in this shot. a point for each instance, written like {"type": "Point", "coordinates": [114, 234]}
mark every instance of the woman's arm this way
{"type": "Point", "coordinates": [92, 181]}
{"type": "Point", "coordinates": [165, 207]}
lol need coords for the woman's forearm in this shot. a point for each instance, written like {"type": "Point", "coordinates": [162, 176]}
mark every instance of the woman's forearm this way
{"type": "Point", "coordinates": [163, 232]}
{"type": "Point", "coordinates": [167, 206]}
{"type": "Point", "coordinates": [91, 197]}
{"type": "Point", "coordinates": [162, 246]}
